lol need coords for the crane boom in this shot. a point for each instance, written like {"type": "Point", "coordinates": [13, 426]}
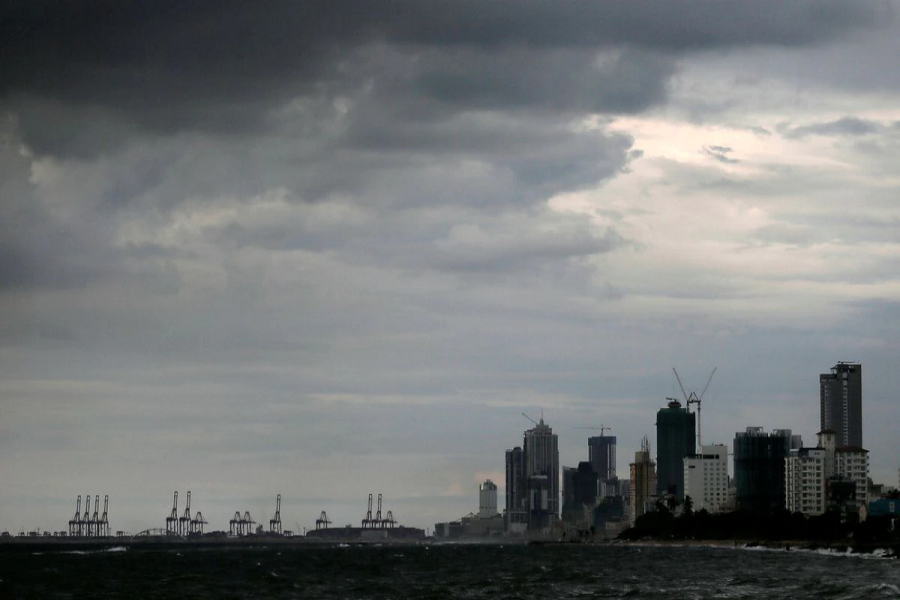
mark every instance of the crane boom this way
{"type": "Point", "coordinates": [707, 382]}
{"type": "Point", "coordinates": [683, 393]}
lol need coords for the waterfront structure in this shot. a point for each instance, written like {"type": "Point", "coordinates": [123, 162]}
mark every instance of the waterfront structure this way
{"type": "Point", "coordinates": [602, 456]}
{"type": "Point", "coordinates": [487, 499]}
{"type": "Point", "coordinates": [676, 434]}
{"type": "Point", "coordinates": [759, 469]}
{"type": "Point", "coordinates": [541, 451]}
{"type": "Point", "coordinates": [706, 478]}
{"type": "Point", "coordinates": [643, 483]}
{"type": "Point", "coordinates": [516, 507]}
{"type": "Point", "coordinates": [840, 403]}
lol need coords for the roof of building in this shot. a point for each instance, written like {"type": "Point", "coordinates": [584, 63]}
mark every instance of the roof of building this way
{"type": "Point", "coordinates": [850, 449]}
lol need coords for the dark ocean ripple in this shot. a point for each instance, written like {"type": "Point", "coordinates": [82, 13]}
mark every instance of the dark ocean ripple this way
{"type": "Point", "coordinates": [446, 571]}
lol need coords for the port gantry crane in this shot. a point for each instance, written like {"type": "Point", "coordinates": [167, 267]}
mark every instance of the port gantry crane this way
{"type": "Point", "coordinates": [75, 522]}
{"type": "Point", "coordinates": [172, 519]}
{"type": "Point", "coordinates": [275, 523]}
{"type": "Point", "coordinates": [198, 523]}
{"type": "Point", "coordinates": [103, 525]}
{"type": "Point", "coordinates": [95, 518]}
{"type": "Point", "coordinates": [693, 398]}
{"type": "Point", "coordinates": [322, 522]}
{"type": "Point", "coordinates": [378, 521]}
{"type": "Point", "coordinates": [86, 517]}
{"type": "Point", "coordinates": [368, 521]}
{"type": "Point", "coordinates": [184, 521]}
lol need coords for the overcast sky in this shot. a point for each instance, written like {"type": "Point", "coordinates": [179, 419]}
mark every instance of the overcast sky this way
{"type": "Point", "coordinates": [333, 248]}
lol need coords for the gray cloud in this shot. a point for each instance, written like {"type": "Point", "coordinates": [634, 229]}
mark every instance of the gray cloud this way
{"type": "Point", "coordinates": [720, 153]}
{"type": "Point", "coordinates": [846, 126]}
{"type": "Point", "coordinates": [223, 66]}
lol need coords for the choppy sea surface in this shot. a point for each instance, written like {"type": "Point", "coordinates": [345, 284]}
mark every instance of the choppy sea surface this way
{"type": "Point", "coordinates": [493, 572]}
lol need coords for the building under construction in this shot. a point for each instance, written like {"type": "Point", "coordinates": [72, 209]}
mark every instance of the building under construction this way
{"type": "Point", "coordinates": [372, 527]}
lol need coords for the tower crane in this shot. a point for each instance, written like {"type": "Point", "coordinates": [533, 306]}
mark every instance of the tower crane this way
{"type": "Point", "coordinates": [602, 428]}
{"type": "Point", "coordinates": [693, 398]}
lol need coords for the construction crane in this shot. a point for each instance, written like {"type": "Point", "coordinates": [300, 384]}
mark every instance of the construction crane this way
{"type": "Point", "coordinates": [275, 523]}
{"type": "Point", "coordinates": [529, 418]}
{"type": "Point", "coordinates": [693, 398]}
{"type": "Point", "coordinates": [602, 428]}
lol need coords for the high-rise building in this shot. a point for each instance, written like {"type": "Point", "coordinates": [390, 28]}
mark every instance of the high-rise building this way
{"type": "Point", "coordinates": [643, 483]}
{"type": "Point", "coordinates": [602, 456]}
{"type": "Point", "coordinates": [804, 480]}
{"type": "Point", "coordinates": [516, 491]}
{"type": "Point", "coordinates": [580, 486]}
{"type": "Point", "coordinates": [487, 499]}
{"type": "Point", "coordinates": [676, 433]}
{"type": "Point", "coordinates": [541, 450]}
{"type": "Point", "coordinates": [706, 478]}
{"type": "Point", "coordinates": [759, 469]}
{"type": "Point", "coordinates": [852, 464]}
{"type": "Point", "coordinates": [840, 403]}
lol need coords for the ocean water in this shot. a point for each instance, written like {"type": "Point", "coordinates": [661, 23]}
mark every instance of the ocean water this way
{"type": "Point", "coordinates": [492, 572]}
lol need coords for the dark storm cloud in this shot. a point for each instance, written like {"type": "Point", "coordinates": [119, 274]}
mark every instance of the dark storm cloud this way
{"type": "Point", "coordinates": [166, 66]}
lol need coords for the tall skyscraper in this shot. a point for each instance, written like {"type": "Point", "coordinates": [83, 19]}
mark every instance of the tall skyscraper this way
{"type": "Point", "coordinates": [516, 496]}
{"type": "Point", "coordinates": [840, 403]}
{"type": "Point", "coordinates": [602, 456]}
{"type": "Point", "coordinates": [541, 451]}
{"type": "Point", "coordinates": [676, 434]}
{"type": "Point", "coordinates": [759, 469]}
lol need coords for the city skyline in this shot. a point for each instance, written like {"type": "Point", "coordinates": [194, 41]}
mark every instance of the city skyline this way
{"type": "Point", "coordinates": [330, 248]}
